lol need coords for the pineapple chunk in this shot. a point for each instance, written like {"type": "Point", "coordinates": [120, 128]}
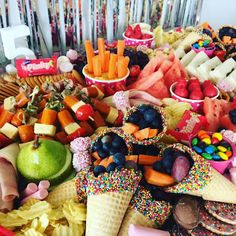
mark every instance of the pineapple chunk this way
{"type": "Point", "coordinates": [71, 128]}
{"type": "Point", "coordinates": [75, 107]}
{"type": "Point", "coordinates": [112, 116]}
{"type": "Point", "coordinates": [9, 130]}
{"type": "Point", "coordinates": [49, 130]}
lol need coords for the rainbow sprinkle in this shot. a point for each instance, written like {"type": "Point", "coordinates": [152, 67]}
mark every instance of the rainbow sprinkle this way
{"type": "Point", "coordinates": [115, 181]}
{"type": "Point", "coordinates": [156, 211]}
{"type": "Point", "coordinates": [199, 175]}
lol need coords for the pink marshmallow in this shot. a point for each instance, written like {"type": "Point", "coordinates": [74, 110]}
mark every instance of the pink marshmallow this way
{"type": "Point", "coordinates": [44, 184]}
{"type": "Point", "coordinates": [40, 195]}
{"type": "Point", "coordinates": [232, 172]}
{"type": "Point", "coordinates": [30, 189]}
{"type": "Point", "coordinates": [135, 230]}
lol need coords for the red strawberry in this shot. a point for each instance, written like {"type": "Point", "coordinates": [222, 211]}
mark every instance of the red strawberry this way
{"type": "Point", "coordinates": [182, 92]}
{"type": "Point", "coordinates": [137, 28]}
{"type": "Point", "coordinates": [220, 54]}
{"type": "Point", "coordinates": [137, 35]}
{"type": "Point", "coordinates": [183, 81]}
{"type": "Point", "coordinates": [196, 95]}
{"type": "Point", "coordinates": [206, 83]}
{"type": "Point", "coordinates": [146, 36]}
{"type": "Point", "coordinates": [180, 86]}
{"type": "Point", "coordinates": [210, 91]}
{"type": "Point", "coordinates": [4, 141]}
{"type": "Point", "coordinates": [193, 87]}
{"type": "Point", "coordinates": [193, 80]}
{"type": "Point", "coordinates": [134, 71]}
{"type": "Point", "coordinates": [129, 31]}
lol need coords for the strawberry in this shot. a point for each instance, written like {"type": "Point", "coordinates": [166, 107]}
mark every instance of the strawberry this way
{"type": "Point", "coordinates": [137, 28]}
{"type": "Point", "coordinates": [146, 36]}
{"type": "Point", "coordinates": [196, 95]}
{"type": "Point", "coordinates": [210, 91]}
{"type": "Point", "coordinates": [182, 92]}
{"type": "Point", "coordinates": [137, 35]}
{"type": "Point", "coordinates": [134, 71]}
{"type": "Point", "coordinates": [129, 31]}
{"type": "Point", "coordinates": [193, 87]}
{"type": "Point", "coordinates": [4, 141]}
{"type": "Point", "coordinates": [220, 54]}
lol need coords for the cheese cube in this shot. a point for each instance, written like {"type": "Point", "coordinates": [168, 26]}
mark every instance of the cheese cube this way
{"type": "Point", "coordinates": [49, 130]}
{"type": "Point", "coordinates": [9, 130]}
{"type": "Point", "coordinates": [71, 128]}
{"type": "Point", "coordinates": [75, 107]}
{"type": "Point", "coordinates": [9, 103]}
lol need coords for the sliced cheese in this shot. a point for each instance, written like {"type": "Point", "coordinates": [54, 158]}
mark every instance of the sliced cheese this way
{"type": "Point", "coordinates": [9, 103]}
{"type": "Point", "coordinates": [77, 105]}
{"type": "Point", "coordinates": [49, 130]}
{"type": "Point", "coordinates": [9, 130]}
{"type": "Point", "coordinates": [71, 128]}
{"type": "Point", "coordinates": [113, 115]}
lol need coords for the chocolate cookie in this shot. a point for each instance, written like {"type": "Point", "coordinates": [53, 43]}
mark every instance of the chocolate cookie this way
{"type": "Point", "coordinates": [223, 211]}
{"type": "Point", "coordinates": [214, 225]}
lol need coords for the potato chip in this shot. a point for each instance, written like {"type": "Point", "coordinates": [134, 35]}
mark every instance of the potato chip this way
{"type": "Point", "coordinates": [72, 230]}
{"type": "Point", "coordinates": [11, 220]}
{"type": "Point", "coordinates": [32, 232]}
{"type": "Point", "coordinates": [55, 214]}
{"type": "Point", "coordinates": [40, 224]}
{"type": "Point", "coordinates": [169, 101]}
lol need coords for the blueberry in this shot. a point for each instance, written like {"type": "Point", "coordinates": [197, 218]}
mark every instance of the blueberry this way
{"type": "Point", "coordinates": [99, 170]}
{"type": "Point", "coordinates": [119, 167]}
{"type": "Point", "coordinates": [168, 152]}
{"type": "Point", "coordinates": [157, 123]}
{"type": "Point", "coordinates": [158, 166]}
{"type": "Point", "coordinates": [167, 163]}
{"type": "Point", "coordinates": [117, 142]}
{"type": "Point", "coordinates": [106, 139]}
{"type": "Point", "coordinates": [102, 154]}
{"type": "Point", "coordinates": [124, 149]}
{"type": "Point", "coordinates": [143, 108]}
{"type": "Point", "coordinates": [111, 167]}
{"type": "Point", "coordinates": [131, 165]}
{"type": "Point", "coordinates": [106, 147]}
{"type": "Point", "coordinates": [143, 124]}
{"type": "Point", "coordinates": [150, 115]}
{"type": "Point", "coordinates": [134, 118]}
{"type": "Point", "coordinates": [97, 145]}
{"type": "Point", "coordinates": [119, 158]}
{"type": "Point", "coordinates": [152, 150]}
{"type": "Point", "coordinates": [113, 151]}
{"type": "Point", "coordinates": [138, 149]}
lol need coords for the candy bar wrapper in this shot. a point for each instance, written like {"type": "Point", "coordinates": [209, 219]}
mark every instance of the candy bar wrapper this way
{"type": "Point", "coordinates": [203, 180]}
{"type": "Point", "coordinates": [189, 125]}
{"type": "Point", "coordinates": [28, 67]}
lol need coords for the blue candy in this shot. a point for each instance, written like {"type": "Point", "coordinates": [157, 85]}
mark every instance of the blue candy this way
{"type": "Point", "coordinates": [216, 157]}
{"type": "Point", "coordinates": [197, 149]}
{"type": "Point", "coordinates": [210, 149]}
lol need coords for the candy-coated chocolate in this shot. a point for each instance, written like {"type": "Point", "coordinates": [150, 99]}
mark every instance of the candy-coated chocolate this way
{"type": "Point", "coordinates": [218, 136]}
{"type": "Point", "coordinates": [201, 132]}
{"type": "Point", "coordinates": [210, 149]}
{"type": "Point", "coordinates": [204, 136]}
{"type": "Point", "coordinates": [214, 141]}
{"type": "Point", "coordinates": [222, 149]}
{"type": "Point", "coordinates": [223, 156]}
{"type": "Point", "coordinates": [194, 141]}
{"type": "Point", "coordinates": [207, 141]}
{"type": "Point", "coordinates": [228, 153]}
{"type": "Point", "coordinates": [207, 156]}
{"type": "Point", "coordinates": [216, 157]}
{"type": "Point", "coordinates": [197, 149]}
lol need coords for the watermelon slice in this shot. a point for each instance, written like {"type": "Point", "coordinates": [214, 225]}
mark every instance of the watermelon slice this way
{"type": "Point", "coordinates": [172, 75]}
{"type": "Point", "coordinates": [226, 123]}
{"type": "Point", "coordinates": [159, 90]}
{"type": "Point", "coordinates": [214, 110]}
{"type": "Point", "coordinates": [165, 66]}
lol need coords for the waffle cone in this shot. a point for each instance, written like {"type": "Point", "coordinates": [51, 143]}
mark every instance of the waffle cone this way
{"type": "Point", "coordinates": [62, 193]}
{"type": "Point", "coordinates": [134, 217]}
{"type": "Point", "coordinates": [105, 213]}
{"type": "Point", "coordinates": [219, 189]}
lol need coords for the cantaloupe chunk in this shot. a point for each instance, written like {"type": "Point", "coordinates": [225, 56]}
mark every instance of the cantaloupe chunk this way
{"type": "Point", "coordinates": [132, 158]}
{"type": "Point", "coordinates": [96, 156]}
{"type": "Point", "coordinates": [104, 162]}
{"type": "Point", "coordinates": [96, 163]}
{"type": "Point", "coordinates": [142, 134]}
{"type": "Point", "coordinates": [147, 159]}
{"type": "Point", "coordinates": [153, 133]}
{"type": "Point", "coordinates": [130, 128]}
{"type": "Point", "coordinates": [158, 178]}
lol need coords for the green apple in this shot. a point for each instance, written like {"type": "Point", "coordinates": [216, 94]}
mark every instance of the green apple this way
{"type": "Point", "coordinates": [48, 160]}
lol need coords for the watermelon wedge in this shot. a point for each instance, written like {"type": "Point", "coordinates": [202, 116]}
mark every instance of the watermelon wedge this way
{"type": "Point", "coordinates": [172, 75]}
{"type": "Point", "coordinates": [226, 123]}
{"type": "Point", "coordinates": [159, 90]}
{"type": "Point", "coordinates": [165, 66]}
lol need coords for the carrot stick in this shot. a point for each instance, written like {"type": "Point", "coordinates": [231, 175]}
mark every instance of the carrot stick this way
{"type": "Point", "coordinates": [49, 116]}
{"type": "Point", "coordinates": [127, 62]}
{"type": "Point", "coordinates": [112, 66]}
{"type": "Point", "coordinates": [101, 51]}
{"type": "Point", "coordinates": [106, 61]}
{"type": "Point", "coordinates": [158, 178]}
{"type": "Point", "coordinates": [17, 119]}
{"type": "Point", "coordinates": [120, 47]}
{"type": "Point", "coordinates": [26, 133]}
{"type": "Point", "coordinates": [122, 69]}
{"type": "Point", "coordinates": [90, 54]}
{"type": "Point", "coordinates": [70, 101]}
{"type": "Point", "coordinates": [5, 117]}
{"type": "Point", "coordinates": [147, 159]}
{"type": "Point", "coordinates": [65, 118]}
{"type": "Point", "coordinates": [97, 66]}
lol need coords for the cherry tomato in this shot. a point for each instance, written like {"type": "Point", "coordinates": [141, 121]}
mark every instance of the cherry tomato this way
{"type": "Point", "coordinates": [84, 112]}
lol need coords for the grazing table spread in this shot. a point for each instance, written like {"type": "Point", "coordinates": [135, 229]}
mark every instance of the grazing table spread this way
{"type": "Point", "coordinates": [131, 138]}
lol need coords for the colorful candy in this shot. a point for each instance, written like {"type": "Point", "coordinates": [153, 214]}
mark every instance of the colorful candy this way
{"type": "Point", "coordinates": [212, 147]}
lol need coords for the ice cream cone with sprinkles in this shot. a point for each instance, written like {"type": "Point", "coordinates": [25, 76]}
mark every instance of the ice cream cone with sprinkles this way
{"type": "Point", "coordinates": [204, 181]}
{"type": "Point", "coordinates": [108, 197]}
{"type": "Point", "coordinates": [144, 211]}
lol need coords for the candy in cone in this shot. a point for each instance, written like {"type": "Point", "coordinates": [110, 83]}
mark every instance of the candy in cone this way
{"type": "Point", "coordinates": [204, 181]}
{"type": "Point", "coordinates": [144, 211]}
{"type": "Point", "coordinates": [109, 196]}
